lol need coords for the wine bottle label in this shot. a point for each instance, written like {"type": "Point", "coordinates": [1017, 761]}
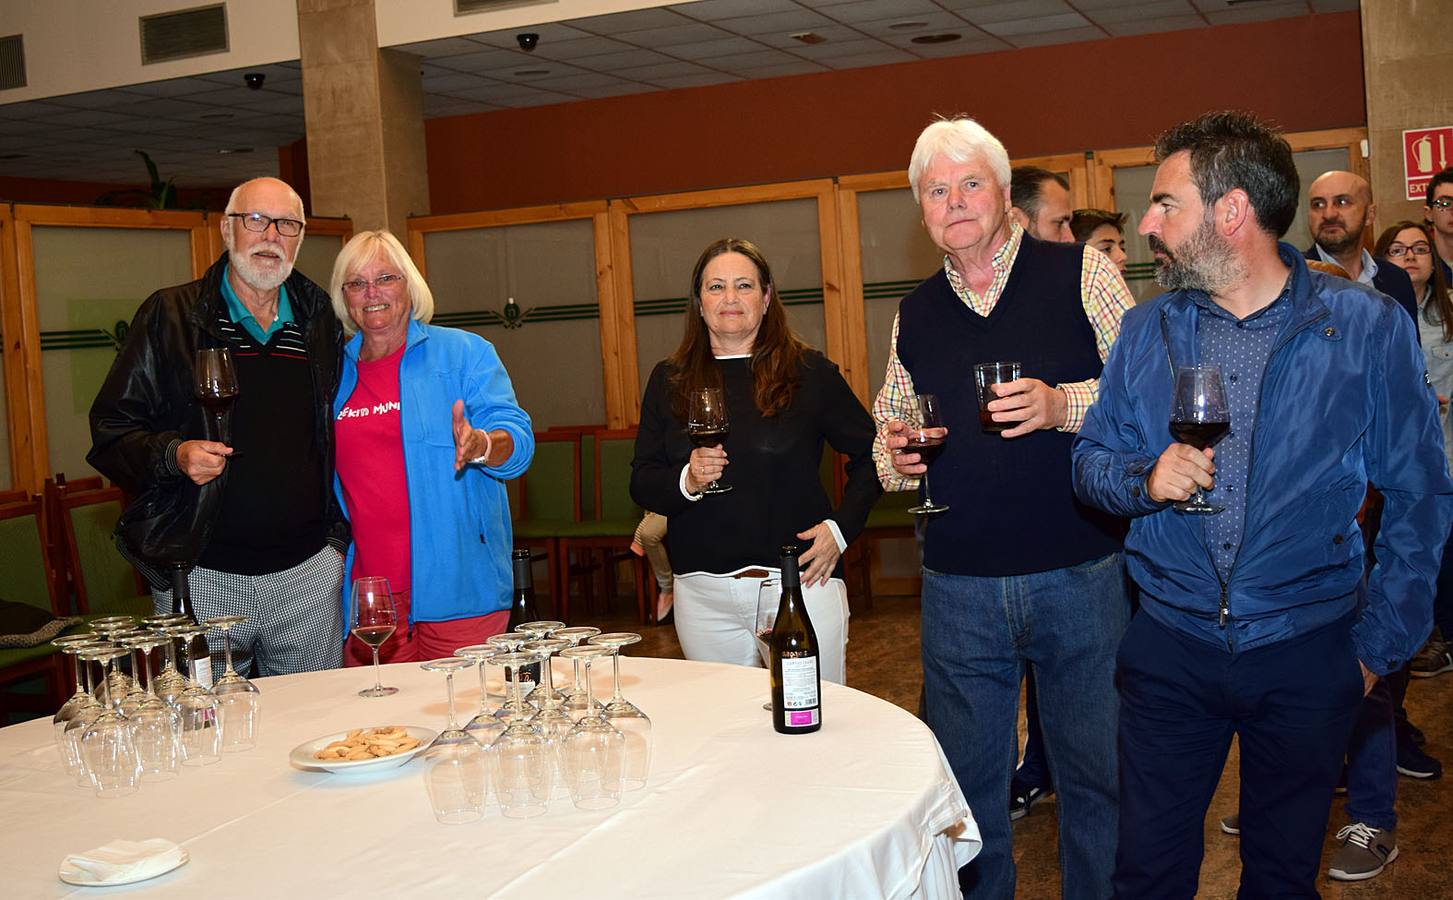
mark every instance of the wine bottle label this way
{"type": "Point", "coordinates": [202, 672]}
{"type": "Point", "coordinates": [799, 690]}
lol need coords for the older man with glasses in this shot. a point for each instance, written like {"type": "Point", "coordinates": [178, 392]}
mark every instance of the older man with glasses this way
{"type": "Point", "coordinates": [252, 510]}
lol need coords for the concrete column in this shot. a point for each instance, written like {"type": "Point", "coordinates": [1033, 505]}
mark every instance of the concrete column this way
{"type": "Point", "coordinates": [1406, 58]}
{"type": "Point", "coordinates": [364, 109]}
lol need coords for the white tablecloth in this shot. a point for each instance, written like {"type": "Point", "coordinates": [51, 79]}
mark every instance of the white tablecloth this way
{"type": "Point", "coordinates": [866, 807]}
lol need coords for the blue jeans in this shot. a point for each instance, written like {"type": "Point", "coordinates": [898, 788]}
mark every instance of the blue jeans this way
{"type": "Point", "coordinates": [977, 635]}
{"type": "Point", "coordinates": [1372, 775]}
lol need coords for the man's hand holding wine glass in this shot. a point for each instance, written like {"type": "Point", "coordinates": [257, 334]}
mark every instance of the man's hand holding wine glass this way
{"type": "Point", "coordinates": [897, 437]}
{"type": "Point", "coordinates": [202, 461]}
{"type": "Point", "coordinates": [1180, 470]}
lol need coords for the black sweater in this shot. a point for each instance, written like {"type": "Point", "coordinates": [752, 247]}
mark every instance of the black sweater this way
{"type": "Point", "coordinates": [772, 466]}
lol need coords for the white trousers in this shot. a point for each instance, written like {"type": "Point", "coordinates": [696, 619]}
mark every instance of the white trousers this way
{"type": "Point", "coordinates": [715, 615]}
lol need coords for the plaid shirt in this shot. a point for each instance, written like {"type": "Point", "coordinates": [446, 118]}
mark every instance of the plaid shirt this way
{"type": "Point", "coordinates": [1105, 298]}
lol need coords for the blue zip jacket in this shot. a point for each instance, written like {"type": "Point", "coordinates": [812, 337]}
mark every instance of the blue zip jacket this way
{"type": "Point", "coordinates": [459, 522]}
{"type": "Point", "coordinates": [1344, 401]}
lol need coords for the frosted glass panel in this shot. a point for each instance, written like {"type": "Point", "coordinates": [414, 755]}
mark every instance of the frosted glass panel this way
{"type": "Point", "coordinates": [1132, 194]}
{"type": "Point", "coordinates": [665, 246]}
{"type": "Point", "coordinates": [550, 340]}
{"type": "Point", "coordinates": [88, 284]}
{"type": "Point", "coordinates": [897, 255]}
{"type": "Point", "coordinates": [316, 255]}
{"type": "Point", "coordinates": [5, 474]}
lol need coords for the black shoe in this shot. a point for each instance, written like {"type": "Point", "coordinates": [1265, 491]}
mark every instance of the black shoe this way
{"type": "Point", "coordinates": [1022, 797]}
{"type": "Point", "coordinates": [1414, 763]}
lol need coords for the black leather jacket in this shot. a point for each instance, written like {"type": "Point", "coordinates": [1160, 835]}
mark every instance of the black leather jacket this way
{"type": "Point", "coordinates": [146, 408]}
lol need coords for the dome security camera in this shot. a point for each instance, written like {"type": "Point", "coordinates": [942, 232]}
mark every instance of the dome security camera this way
{"type": "Point", "coordinates": [528, 40]}
{"type": "Point", "coordinates": [254, 80]}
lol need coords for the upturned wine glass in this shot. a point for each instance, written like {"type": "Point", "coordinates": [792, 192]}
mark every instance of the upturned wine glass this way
{"type": "Point", "coordinates": [169, 682]}
{"type": "Point", "coordinates": [485, 727]}
{"type": "Point", "coordinates": [626, 716]}
{"type": "Point", "coordinates": [593, 753]}
{"type": "Point", "coordinates": [515, 704]}
{"type": "Point", "coordinates": [109, 748]}
{"type": "Point", "coordinates": [575, 694]}
{"type": "Point", "coordinates": [70, 645]}
{"type": "Point", "coordinates": [238, 699]}
{"type": "Point", "coordinates": [551, 717]}
{"type": "Point", "coordinates": [523, 761]}
{"type": "Point", "coordinates": [456, 768]}
{"type": "Point", "coordinates": [201, 737]}
{"type": "Point", "coordinates": [538, 631]}
{"type": "Point", "coordinates": [155, 725]}
{"type": "Point", "coordinates": [374, 621]}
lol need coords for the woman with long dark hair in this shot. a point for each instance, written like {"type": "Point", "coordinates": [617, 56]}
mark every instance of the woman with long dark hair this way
{"type": "Point", "coordinates": [784, 400]}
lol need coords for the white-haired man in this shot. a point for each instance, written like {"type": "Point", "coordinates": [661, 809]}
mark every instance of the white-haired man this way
{"type": "Point", "coordinates": [1016, 571]}
{"type": "Point", "coordinates": [257, 529]}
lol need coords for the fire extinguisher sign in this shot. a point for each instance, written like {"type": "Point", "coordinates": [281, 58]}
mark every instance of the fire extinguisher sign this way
{"type": "Point", "coordinates": [1426, 152]}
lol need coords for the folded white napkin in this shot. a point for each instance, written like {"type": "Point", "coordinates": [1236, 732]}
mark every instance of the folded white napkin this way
{"type": "Point", "coordinates": [124, 861]}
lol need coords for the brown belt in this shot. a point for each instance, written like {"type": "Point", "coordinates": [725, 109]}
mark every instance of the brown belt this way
{"type": "Point", "coordinates": [753, 573]}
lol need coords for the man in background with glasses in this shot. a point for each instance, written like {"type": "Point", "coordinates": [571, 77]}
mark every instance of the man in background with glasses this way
{"type": "Point", "coordinates": [1256, 621]}
{"type": "Point", "coordinates": [253, 510]}
{"type": "Point", "coordinates": [1438, 211]}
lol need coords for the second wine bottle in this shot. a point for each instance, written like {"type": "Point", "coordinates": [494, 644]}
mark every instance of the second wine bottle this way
{"type": "Point", "coordinates": [796, 672]}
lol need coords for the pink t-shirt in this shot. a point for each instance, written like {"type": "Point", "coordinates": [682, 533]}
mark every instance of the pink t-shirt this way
{"type": "Point", "coordinates": [370, 460]}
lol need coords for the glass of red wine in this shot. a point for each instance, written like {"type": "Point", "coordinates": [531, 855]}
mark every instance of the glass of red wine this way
{"type": "Point", "coordinates": [927, 447]}
{"type": "Point", "coordinates": [374, 621]}
{"type": "Point", "coordinates": [1199, 416]}
{"type": "Point", "coordinates": [216, 382]}
{"type": "Point", "coordinates": [707, 425]}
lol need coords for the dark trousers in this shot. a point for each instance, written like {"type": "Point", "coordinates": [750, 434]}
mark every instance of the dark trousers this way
{"type": "Point", "coordinates": [1443, 600]}
{"type": "Point", "coordinates": [1292, 705]}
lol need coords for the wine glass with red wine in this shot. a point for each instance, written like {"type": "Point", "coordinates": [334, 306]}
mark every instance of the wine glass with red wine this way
{"type": "Point", "coordinates": [374, 621]}
{"type": "Point", "coordinates": [707, 425]}
{"type": "Point", "coordinates": [928, 447]}
{"type": "Point", "coordinates": [216, 385]}
{"type": "Point", "coordinates": [1199, 416]}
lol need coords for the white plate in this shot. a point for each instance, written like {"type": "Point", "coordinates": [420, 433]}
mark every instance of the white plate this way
{"type": "Point", "coordinates": [302, 755]}
{"type": "Point", "coordinates": [82, 878]}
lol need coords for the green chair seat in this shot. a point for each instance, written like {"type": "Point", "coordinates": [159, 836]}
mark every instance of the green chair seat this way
{"type": "Point", "coordinates": [548, 528]}
{"type": "Point", "coordinates": [891, 510]}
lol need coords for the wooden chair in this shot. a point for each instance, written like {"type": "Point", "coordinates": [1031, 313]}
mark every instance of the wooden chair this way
{"type": "Point", "coordinates": [103, 581]}
{"type": "Point", "coordinates": [549, 506]}
{"type": "Point", "coordinates": [25, 577]}
{"type": "Point", "coordinates": [889, 518]}
{"type": "Point", "coordinates": [614, 524]}
{"type": "Point", "coordinates": [19, 495]}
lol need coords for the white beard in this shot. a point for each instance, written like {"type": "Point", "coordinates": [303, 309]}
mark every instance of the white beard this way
{"type": "Point", "coordinates": [257, 276]}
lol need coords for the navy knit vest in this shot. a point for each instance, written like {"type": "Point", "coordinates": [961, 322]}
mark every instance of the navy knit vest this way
{"type": "Point", "coordinates": [1012, 507]}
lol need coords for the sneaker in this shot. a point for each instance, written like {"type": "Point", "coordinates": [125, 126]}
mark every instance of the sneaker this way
{"type": "Point", "coordinates": [1021, 798]}
{"type": "Point", "coordinates": [1231, 824]}
{"type": "Point", "coordinates": [1364, 853]}
{"type": "Point", "coordinates": [1414, 763]}
{"type": "Point", "coordinates": [1435, 658]}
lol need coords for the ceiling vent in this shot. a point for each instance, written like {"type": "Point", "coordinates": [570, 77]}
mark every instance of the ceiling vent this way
{"type": "Point", "coordinates": [178, 35]}
{"type": "Point", "coordinates": [12, 62]}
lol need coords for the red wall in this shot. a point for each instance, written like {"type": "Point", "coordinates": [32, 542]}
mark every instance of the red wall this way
{"type": "Point", "coordinates": [1303, 74]}
{"type": "Point", "coordinates": [86, 193]}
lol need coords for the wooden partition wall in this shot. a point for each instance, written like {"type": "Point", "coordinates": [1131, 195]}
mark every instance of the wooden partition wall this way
{"type": "Point", "coordinates": [26, 339]}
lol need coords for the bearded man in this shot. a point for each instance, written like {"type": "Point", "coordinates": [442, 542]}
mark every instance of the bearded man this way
{"type": "Point", "coordinates": [1256, 620]}
{"type": "Point", "coordinates": [1339, 211]}
{"type": "Point", "coordinates": [249, 505]}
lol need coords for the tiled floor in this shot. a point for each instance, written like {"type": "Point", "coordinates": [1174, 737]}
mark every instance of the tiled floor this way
{"type": "Point", "coordinates": [883, 660]}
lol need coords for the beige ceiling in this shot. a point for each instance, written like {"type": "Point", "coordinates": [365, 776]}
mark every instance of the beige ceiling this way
{"type": "Point", "coordinates": [212, 130]}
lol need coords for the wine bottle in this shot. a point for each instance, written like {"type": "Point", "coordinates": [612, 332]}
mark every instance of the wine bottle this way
{"type": "Point", "coordinates": [523, 608]}
{"type": "Point", "coordinates": [198, 655]}
{"type": "Point", "coordinates": [796, 674]}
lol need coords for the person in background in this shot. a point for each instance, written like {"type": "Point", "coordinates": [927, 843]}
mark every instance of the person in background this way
{"type": "Point", "coordinates": [1016, 572]}
{"type": "Point", "coordinates": [1339, 212]}
{"type": "Point", "coordinates": [785, 400]}
{"type": "Point", "coordinates": [428, 433]}
{"type": "Point", "coordinates": [1260, 621]}
{"type": "Point", "coordinates": [266, 539]}
{"type": "Point", "coordinates": [647, 542]}
{"type": "Point", "coordinates": [1411, 245]}
{"type": "Point", "coordinates": [1040, 203]}
{"type": "Point", "coordinates": [1105, 231]}
{"type": "Point", "coordinates": [1438, 213]}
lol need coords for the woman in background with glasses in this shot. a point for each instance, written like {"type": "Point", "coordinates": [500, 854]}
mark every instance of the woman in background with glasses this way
{"type": "Point", "coordinates": [785, 400]}
{"type": "Point", "coordinates": [428, 431]}
{"type": "Point", "coordinates": [1409, 245]}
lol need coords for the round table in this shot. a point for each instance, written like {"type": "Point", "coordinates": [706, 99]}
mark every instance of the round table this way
{"type": "Point", "coordinates": [865, 807]}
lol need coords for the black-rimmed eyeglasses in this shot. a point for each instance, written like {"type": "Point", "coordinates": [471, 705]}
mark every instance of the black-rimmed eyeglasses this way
{"type": "Point", "coordinates": [1398, 251]}
{"type": "Point", "coordinates": [1441, 203]}
{"type": "Point", "coordinates": [258, 222]}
